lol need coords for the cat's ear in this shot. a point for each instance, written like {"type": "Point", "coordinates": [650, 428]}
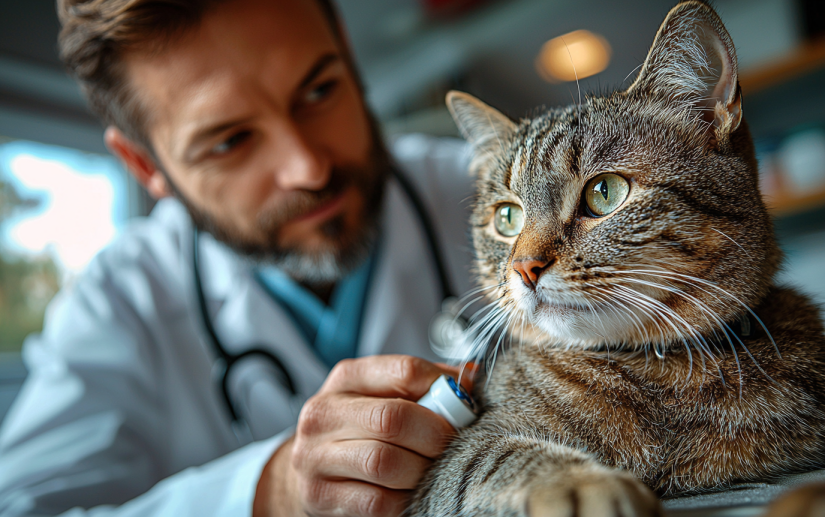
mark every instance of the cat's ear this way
{"type": "Point", "coordinates": [482, 125]}
{"type": "Point", "coordinates": [693, 59]}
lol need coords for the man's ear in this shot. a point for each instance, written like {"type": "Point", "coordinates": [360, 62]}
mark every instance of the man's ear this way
{"type": "Point", "coordinates": [693, 60]}
{"type": "Point", "coordinates": [486, 128]}
{"type": "Point", "coordinates": [138, 161]}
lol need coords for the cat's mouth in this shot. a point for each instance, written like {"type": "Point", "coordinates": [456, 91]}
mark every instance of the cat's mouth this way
{"type": "Point", "coordinates": [604, 314]}
{"type": "Point", "coordinates": [561, 307]}
{"type": "Point", "coordinates": [585, 323]}
{"type": "Point", "coordinates": [552, 304]}
{"type": "Point", "coordinates": [549, 298]}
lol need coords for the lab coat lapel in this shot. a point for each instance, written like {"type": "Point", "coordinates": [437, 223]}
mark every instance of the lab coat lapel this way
{"type": "Point", "coordinates": [247, 317]}
{"type": "Point", "coordinates": [250, 319]}
{"type": "Point", "coordinates": [254, 320]}
{"type": "Point", "coordinates": [404, 294]}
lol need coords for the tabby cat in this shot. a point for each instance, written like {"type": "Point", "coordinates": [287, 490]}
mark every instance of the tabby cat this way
{"type": "Point", "coordinates": [624, 241]}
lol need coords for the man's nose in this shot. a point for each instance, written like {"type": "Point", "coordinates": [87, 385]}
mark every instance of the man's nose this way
{"type": "Point", "coordinates": [300, 164]}
{"type": "Point", "coordinates": [531, 269]}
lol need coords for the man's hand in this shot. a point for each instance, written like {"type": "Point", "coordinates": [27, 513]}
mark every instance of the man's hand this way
{"type": "Point", "coordinates": [361, 443]}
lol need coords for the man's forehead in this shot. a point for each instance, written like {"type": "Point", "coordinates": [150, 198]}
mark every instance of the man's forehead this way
{"type": "Point", "coordinates": [241, 43]}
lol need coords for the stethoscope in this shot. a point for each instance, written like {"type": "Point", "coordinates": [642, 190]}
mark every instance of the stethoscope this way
{"type": "Point", "coordinates": [445, 326]}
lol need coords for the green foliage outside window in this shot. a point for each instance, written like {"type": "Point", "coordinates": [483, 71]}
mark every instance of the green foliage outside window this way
{"type": "Point", "coordinates": [26, 284]}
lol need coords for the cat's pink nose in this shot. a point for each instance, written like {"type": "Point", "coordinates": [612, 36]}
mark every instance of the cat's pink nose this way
{"type": "Point", "coordinates": [530, 270]}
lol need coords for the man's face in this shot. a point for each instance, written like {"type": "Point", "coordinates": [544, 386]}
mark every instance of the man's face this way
{"type": "Point", "coordinates": [261, 129]}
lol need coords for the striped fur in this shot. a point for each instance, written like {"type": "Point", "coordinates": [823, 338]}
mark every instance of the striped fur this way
{"type": "Point", "coordinates": [629, 372]}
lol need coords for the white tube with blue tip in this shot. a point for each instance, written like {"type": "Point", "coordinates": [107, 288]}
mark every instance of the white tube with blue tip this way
{"type": "Point", "coordinates": [448, 399]}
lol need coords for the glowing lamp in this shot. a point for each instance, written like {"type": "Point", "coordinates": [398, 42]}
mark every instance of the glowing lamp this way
{"type": "Point", "coordinates": [577, 54]}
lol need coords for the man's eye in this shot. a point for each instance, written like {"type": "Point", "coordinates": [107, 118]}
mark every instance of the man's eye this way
{"type": "Point", "coordinates": [320, 92]}
{"type": "Point", "coordinates": [230, 143]}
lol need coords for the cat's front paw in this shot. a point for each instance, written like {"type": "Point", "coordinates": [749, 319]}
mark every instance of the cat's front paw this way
{"type": "Point", "coordinates": [592, 492]}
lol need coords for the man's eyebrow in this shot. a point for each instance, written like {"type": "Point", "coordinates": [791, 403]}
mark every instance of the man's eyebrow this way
{"type": "Point", "coordinates": [319, 66]}
{"type": "Point", "coordinates": [210, 131]}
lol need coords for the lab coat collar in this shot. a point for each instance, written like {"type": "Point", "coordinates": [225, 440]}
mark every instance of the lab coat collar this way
{"type": "Point", "coordinates": [221, 268]}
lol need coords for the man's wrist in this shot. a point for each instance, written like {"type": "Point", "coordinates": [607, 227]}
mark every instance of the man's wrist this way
{"type": "Point", "coordinates": [275, 496]}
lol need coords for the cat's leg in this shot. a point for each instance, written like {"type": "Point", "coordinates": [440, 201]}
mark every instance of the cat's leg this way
{"type": "Point", "coordinates": [491, 471]}
{"type": "Point", "coordinates": [806, 501]}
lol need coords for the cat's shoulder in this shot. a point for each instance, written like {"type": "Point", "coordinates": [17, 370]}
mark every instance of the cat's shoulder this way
{"type": "Point", "coordinates": [788, 310]}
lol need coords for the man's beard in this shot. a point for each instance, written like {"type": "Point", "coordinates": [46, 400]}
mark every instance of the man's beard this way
{"type": "Point", "coordinates": [341, 253]}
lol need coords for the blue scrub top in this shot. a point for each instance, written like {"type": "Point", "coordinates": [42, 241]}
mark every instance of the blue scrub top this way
{"type": "Point", "coordinates": [333, 330]}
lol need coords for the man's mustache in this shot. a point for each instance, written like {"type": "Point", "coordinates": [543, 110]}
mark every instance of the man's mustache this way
{"type": "Point", "coordinates": [299, 203]}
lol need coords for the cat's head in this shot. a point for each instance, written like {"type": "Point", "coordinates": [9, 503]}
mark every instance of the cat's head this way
{"type": "Point", "coordinates": [631, 218]}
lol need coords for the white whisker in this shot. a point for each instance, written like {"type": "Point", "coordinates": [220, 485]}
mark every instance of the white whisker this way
{"type": "Point", "coordinates": [730, 239]}
{"type": "Point", "coordinates": [723, 291]}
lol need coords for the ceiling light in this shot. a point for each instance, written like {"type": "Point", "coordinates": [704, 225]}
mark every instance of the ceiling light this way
{"type": "Point", "coordinates": [572, 56]}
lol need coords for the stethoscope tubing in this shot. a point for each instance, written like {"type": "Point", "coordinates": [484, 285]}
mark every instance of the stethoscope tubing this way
{"type": "Point", "coordinates": [226, 359]}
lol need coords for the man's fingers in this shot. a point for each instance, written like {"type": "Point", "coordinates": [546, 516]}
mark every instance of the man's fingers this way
{"type": "Point", "coordinates": [396, 421]}
{"type": "Point", "coordinates": [375, 462]}
{"type": "Point", "coordinates": [364, 428]}
{"type": "Point", "coordinates": [352, 498]}
{"type": "Point", "coordinates": [403, 423]}
{"type": "Point", "coordinates": [401, 376]}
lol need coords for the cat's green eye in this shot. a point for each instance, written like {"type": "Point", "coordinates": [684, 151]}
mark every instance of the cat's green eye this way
{"type": "Point", "coordinates": [605, 193]}
{"type": "Point", "coordinates": [509, 219]}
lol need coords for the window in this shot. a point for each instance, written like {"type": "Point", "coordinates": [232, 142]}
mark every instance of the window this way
{"type": "Point", "coordinates": [58, 208]}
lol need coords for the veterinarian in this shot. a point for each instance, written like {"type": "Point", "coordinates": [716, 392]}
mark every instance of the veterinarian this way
{"type": "Point", "coordinates": [257, 344]}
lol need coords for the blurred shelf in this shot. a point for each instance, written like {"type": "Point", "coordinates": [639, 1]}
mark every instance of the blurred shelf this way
{"type": "Point", "coordinates": [783, 203]}
{"type": "Point", "coordinates": [786, 93]}
{"type": "Point", "coordinates": [803, 59]}
{"type": "Point", "coordinates": [779, 97]}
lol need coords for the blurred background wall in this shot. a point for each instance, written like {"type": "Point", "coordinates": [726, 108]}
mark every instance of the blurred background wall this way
{"type": "Point", "coordinates": [62, 197]}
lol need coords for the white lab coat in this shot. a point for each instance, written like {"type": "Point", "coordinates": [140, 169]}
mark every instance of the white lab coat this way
{"type": "Point", "coordinates": [120, 405]}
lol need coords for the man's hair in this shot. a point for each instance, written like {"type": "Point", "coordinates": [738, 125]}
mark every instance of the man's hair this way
{"type": "Point", "coordinates": [96, 33]}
